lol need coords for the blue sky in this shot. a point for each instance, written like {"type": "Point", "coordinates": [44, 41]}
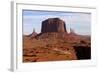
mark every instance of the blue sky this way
{"type": "Point", "coordinates": [79, 22]}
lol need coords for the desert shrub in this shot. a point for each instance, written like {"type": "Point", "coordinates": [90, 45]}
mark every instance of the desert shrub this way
{"type": "Point", "coordinates": [67, 56]}
{"type": "Point", "coordinates": [27, 60]}
{"type": "Point", "coordinates": [67, 49]}
{"type": "Point", "coordinates": [31, 52]}
{"type": "Point", "coordinates": [83, 42]}
{"type": "Point", "coordinates": [34, 60]}
{"type": "Point", "coordinates": [34, 55]}
{"type": "Point", "coordinates": [64, 41]}
{"type": "Point", "coordinates": [45, 47]}
{"type": "Point", "coordinates": [57, 53]}
{"type": "Point", "coordinates": [48, 45]}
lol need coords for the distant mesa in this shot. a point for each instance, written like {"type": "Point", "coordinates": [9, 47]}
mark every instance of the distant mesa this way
{"type": "Point", "coordinates": [53, 25]}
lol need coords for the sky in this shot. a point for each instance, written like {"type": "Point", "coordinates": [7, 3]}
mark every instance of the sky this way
{"type": "Point", "coordinates": [79, 22]}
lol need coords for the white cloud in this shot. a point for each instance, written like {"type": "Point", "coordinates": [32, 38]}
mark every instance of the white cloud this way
{"type": "Point", "coordinates": [80, 22]}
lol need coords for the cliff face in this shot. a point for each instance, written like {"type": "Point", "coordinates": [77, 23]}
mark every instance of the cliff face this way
{"type": "Point", "coordinates": [53, 25]}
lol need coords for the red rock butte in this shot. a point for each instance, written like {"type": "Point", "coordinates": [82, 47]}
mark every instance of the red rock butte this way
{"type": "Point", "coordinates": [55, 44]}
{"type": "Point", "coordinates": [53, 25]}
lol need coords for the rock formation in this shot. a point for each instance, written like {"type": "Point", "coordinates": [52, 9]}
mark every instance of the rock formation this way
{"type": "Point", "coordinates": [53, 25]}
{"type": "Point", "coordinates": [33, 34]}
{"type": "Point", "coordinates": [55, 44]}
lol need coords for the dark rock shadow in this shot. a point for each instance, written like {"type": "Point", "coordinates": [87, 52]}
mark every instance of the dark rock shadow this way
{"type": "Point", "coordinates": [83, 52]}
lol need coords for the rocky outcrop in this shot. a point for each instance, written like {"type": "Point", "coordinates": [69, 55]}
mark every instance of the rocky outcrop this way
{"type": "Point", "coordinates": [53, 25]}
{"type": "Point", "coordinates": [72, 32]}
{"type": "Point", "coordinates": [32, 35]}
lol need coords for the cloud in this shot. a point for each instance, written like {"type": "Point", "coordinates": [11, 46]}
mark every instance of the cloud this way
{"type": "Point", "coordinates": [80, 22]}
